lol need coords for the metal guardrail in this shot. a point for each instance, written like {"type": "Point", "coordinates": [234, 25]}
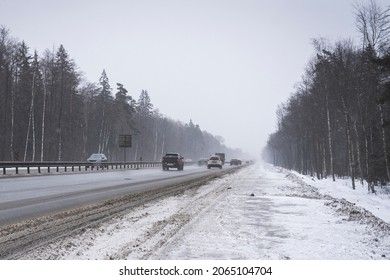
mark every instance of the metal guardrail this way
{"type": "Point", "coordinates": [18, 167]}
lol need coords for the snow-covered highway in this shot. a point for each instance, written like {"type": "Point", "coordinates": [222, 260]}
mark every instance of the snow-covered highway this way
{"type": "Point", "coordinates": [30, 196]}
{"type": "Point", "coordinates": [258, 212]}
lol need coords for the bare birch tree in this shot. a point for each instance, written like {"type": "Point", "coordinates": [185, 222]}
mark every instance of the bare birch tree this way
{"type": "Point", "coordinates": [373, 22]}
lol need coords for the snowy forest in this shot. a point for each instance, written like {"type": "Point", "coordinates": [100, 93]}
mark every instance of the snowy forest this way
{"type": "Point", "coordinates": [49, 112]}
{"type": "Point", "coordinates": [337, 121]}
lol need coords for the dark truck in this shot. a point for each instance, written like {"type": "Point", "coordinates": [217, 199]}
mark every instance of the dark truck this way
{"type": "Point", "coordinates": [172, 160]}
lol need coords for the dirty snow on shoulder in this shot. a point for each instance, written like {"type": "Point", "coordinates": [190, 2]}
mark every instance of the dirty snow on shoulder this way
{"type": "Point", "coordinates": [258, 212]}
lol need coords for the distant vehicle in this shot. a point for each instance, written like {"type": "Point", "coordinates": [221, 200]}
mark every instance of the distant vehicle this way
{"type": "Point", "coordinates": [214, 161]}
{"type": "Point", "coordinates": [172, 160]}
{"type": "Point", "coordinates": [235, 162]}
{"type": "Point", "coordinates": [202, 161]}
{"type": "Point", "coordinates": [222, 156]}
{"type": "Point", "coordinates": [97, 158]}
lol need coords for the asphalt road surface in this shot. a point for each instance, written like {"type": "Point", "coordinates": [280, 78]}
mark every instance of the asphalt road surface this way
{"type": "Point", "coordinates": [32, 196]}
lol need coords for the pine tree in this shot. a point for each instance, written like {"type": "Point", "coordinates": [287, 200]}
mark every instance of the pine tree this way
{"type": "Point", "coordinates": [64, 92]}
{"type": "Point", "coordinates": [104, 108]}
{"type": "Point", "coordinates": [20, 99]}
{"type": "Point", "coordinates": [144, 104]}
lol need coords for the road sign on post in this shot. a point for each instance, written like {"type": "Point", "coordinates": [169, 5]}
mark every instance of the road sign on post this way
{"type": "Point", "coordinates": [124, 142]}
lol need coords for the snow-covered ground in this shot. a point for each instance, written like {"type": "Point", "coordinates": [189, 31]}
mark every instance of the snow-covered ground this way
{"type": "Point", "coordinates": [259, 212]}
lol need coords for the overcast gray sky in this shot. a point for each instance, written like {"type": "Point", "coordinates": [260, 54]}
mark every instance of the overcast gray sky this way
{"type": "Point", "coordinates": [225, 64]}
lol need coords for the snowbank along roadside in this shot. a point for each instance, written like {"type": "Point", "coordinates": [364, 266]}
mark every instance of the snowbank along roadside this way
{"type": "Point", "coordinates": [259, 212]}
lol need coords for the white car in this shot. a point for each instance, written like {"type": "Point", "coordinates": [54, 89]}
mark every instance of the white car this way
{"type": "Point", "coordinates": [214, 161]}
{"type": "Point", "coordinates": [97, 158]}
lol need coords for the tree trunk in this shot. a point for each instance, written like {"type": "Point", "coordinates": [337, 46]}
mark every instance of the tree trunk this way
{"type": "Point", "coordinates": [324, 171]}
{"type": "Point", "coordinates": [11, 146]}
{"type": "Point", "coordinates": [30, 119]}
{"type": "Point", "coordinates": [101, 132]}
{"type": "Point", "coordinates": [155, 143]}
{"type": "Point", "coordinates": [162, 146]}
{"type": "Point", "coordinates": [329, 138]}
{"type": "Point", "coordinates": [358, 153]}
{"type": "Point", "coordinates": [349, 144]}
{"type": "Point", "coordinates": [349, 151]}
{"type": "Point", "coordinates": [136, 151]}
{"type": "Point", "coordinates": [384, 142]}
{"type": "Point", "coordinates": [59, 126]}
{"type": "Point", "coordinates": [43, 115]}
